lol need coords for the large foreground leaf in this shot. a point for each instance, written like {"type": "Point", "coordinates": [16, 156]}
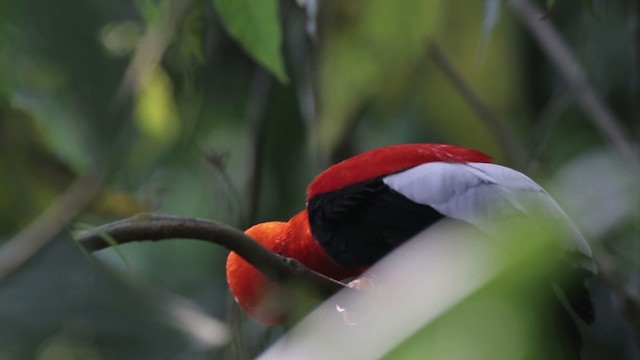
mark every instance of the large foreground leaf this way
{"type": "Point", "coordinates": [448, 294]}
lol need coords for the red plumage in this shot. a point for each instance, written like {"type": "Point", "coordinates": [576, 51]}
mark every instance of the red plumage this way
{"type": "Point", "coordinates": [259, 297]}
{"type": "Point", "coordinates": [388, 160]}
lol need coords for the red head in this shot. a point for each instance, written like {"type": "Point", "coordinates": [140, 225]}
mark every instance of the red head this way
{"type": "Point", "coordinates": [388, 160]}
{"type": "Point", "coordinates": [258, 296]}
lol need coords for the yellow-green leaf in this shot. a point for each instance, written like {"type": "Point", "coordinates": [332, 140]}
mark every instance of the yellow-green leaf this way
{"type": "Point", "coordinates": [156, 112]}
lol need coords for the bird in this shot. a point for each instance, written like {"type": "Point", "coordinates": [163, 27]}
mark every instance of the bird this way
{"type": "Point", "coordinates": [361, 209]}
{"type": "Point", "coordinates": [259, 297]}
{"type": "Point", "coordinates": [364, 207]}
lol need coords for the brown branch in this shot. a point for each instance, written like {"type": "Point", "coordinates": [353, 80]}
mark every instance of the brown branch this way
{"type": "Point", "coordinates": [155, 227]}
{"type": "Point", "coordinates": [570, 68]}
{"type": "Point", "coordinates": [23, 246]}
{"type": "Point", "coordinates": [498, 127]}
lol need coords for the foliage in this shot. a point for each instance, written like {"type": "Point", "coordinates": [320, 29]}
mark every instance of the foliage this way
{"type": "Point", "coordinates": [256, 27]}
{"type": "Point", "coordinates": [226, 109]}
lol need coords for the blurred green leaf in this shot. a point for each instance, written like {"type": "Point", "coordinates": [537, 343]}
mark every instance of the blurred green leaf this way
{"type": "Point", "coordinates": [63, 303]}
{"type": "Point", "coordinates": [189, 45]}
{"type": "Point", "coordinates": [375, 44]}
{"type": "Point", "coordinates": [32, 173]}
{"type": "Point", "coordinates": [150, 9]}
{"type": "Point", "coordinates": [64, 36]}
{"type": "Point", "coordinates": [450, 293]}
{"type": "Point", "coordinates": [256, 26]}
{"type": "Point", "coordinates": [492, 73]}
{"type": "Point", "coordinates": [120, 38]}
{"type": "Point", "coordinates": [156, 117]}
{"type": "Point", "coordinates": [156, 112]}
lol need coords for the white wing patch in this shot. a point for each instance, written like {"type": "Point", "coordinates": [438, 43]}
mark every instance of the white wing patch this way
{"type": "Point", "coordinates": [481, 193]}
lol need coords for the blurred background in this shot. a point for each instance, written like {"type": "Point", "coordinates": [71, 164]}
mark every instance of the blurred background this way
{"type": "Point", "coordinates": [225, 110]}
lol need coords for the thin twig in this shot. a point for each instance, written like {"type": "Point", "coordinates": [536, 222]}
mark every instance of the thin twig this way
{"type": "Point", "coordinates": [155, 227]}
{"type": "Point", "coordinates": [498, 127]}
{"type": "Point", "coordinates": [151, 47]}
{"type": "Point", "coordinates": [567, 64]}
{"type": "Point", "coordinates": [22, 247]}
{"type": "Point", "coordinates": [545, 124]}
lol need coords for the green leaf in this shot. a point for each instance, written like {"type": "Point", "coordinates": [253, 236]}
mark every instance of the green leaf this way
{"type": "Point", "coordinates": [376, 45]}
{"type": "Point", "coordinates": [156, 111]}
{"type": "Point", "coordinates": [256, 26]}
{"type": "Point", "coordinates": [473, 297]}
{"type": "Point", "coordinates": [64, 303]}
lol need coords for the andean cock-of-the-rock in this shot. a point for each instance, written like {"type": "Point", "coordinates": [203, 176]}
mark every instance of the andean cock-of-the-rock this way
{"type": "Point", "coordinates": [259, 297]}
{"type": "Point", "coordinates": [362, 208]}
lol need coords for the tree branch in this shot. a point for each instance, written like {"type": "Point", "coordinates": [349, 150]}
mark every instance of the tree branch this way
{"type": "Point", "coordinates": [155, 227]}
{"type": "Point", "coordinates": [546, 121]}
{"type": "Point", "coordinates": [498, 127]}
{"type": "Point", "coordinates": [570, 68]}
{"type": "Point", "coordinates": [23, 246]}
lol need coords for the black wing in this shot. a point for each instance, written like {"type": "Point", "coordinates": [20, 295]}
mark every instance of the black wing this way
{"type": "Point", "coordinates": [359, 224]}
